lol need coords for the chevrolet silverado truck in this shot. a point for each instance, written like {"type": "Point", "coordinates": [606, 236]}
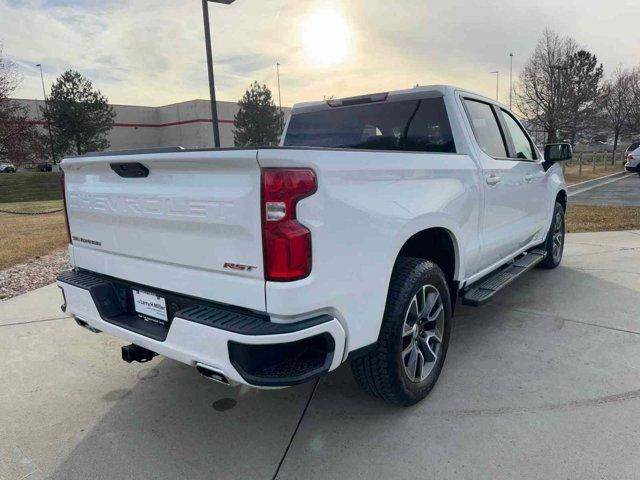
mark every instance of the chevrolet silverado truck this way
{"type": "Point", "coordinates": [351, 241]}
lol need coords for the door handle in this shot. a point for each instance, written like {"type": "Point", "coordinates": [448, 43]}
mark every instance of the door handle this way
{"type": "Point", "coordinates": [493, 179]}
{"type": "Point", "coordinates": [528, 178]}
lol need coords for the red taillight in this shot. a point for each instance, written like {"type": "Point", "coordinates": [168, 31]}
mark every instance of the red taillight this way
{"type": "Point", "coordinates": [286, 242]}
{"type": "Point", "coordinates": [64, 204]}
{"type": "Point", "coordinates": [629, 157]}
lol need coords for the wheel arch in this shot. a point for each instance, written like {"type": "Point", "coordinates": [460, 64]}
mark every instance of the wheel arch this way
{"type": "Point", "coordinates": [561, 198]}
{"type": "Point", "coordinates": [439, 245]}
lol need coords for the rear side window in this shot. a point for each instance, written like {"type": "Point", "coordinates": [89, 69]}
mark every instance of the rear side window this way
{"type": "Point", "coordinates": [407, 125]}
{"type": "Point", "coordinates": [633, 146]}
{"type": "Point", "coordinates": [485, 128]}
{"type": "Point", "coordinates": [521, 143]}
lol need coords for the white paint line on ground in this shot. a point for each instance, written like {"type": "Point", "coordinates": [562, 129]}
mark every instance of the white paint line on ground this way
{"type": "Point", "coordinates": [597, 185]}
{"type": "Point", "coordinates": [597, 179]}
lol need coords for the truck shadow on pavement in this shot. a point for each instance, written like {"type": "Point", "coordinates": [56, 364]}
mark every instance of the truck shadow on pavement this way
{"type": "Point", "coordinates": [176, 424]}
{"type": "Point", "coordinates": [511, 357]}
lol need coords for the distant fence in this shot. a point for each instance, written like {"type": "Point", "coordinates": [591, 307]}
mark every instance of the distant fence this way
{"type": "Point", "coordinates": [597, 158]}
{"type": "Point", "coordinates": [589, 163]}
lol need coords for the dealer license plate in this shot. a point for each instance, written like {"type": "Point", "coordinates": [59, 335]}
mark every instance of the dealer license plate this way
{"type": "Point", "coordinates": [150, 305]}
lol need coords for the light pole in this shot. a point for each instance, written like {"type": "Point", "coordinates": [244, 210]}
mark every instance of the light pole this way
{"type": "Point", "coordinates": [497, 80]}
{"type": "Point", "coordinates": [212, 88]}
{"type": "Point", "coordinates": [46, 109]}
{"type": "Point", "coordinates": [279, 96]}
{"type": "Point", "coordinates": [557, 91]}
{"type": "Point", "coordinates": [510, 78]}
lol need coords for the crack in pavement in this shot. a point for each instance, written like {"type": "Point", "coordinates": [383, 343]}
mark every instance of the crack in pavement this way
{"type": "Point", "coordinates": [592, 244]}
{"type": "Point", "coordinates": [605, 270]}
{"type": "Point", "coordinates": [295, 431]}
{"type": "Point", "coordinates": [548, 407]}
{"type": "Point", "coordinates": [603, 245]}
{"type": "Point", "coordinates": [598, 244]}
{"type": "Point", "coordinates": [618, 249]}
{"type": "Point", "coordinates": [601, 401]}
{"type": "Point", "coordinates": [572, 320]}
{"type": "Point", "coordinates": [26, 322]}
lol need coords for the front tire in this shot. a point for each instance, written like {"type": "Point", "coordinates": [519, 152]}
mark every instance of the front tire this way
{"type": "Point", "coordinates": [554, 244]}
{"type": "Point", "coordinates": [408, 357]}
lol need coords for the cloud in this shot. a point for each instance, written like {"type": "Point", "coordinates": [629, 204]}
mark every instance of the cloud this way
{"type": "Point", "coordinates": [153, 53]}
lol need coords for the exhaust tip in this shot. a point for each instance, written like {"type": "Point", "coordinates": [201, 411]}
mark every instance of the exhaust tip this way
{"type": "Point", "coordinates": [84, 324]}
{"type": "Point", "coordinates": [212, 374]}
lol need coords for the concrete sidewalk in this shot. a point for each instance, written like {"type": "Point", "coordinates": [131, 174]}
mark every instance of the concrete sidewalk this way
{"type": "Point", "coordinates": [544, 382]}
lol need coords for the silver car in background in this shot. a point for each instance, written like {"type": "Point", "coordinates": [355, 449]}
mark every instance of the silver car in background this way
{"type": "Point", "coordinates": [7, 168]}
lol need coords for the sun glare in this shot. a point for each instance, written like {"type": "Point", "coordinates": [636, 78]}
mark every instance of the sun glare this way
{"type": "Point", "coordinates": [326, 37]}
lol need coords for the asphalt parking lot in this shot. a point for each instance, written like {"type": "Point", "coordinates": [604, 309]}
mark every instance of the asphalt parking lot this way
{"type": "Point", "coordinates": [624, 190]}
{"type": "Point", "coordinates": [544, 382]}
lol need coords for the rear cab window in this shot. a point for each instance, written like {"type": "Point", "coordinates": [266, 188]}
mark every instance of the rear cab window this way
{"type": "Point", "coordinates": [486, 128]}
{"type": "Point", "coordinates": [417, 125]}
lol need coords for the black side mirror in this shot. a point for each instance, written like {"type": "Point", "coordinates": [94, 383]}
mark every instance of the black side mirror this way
{"type": "Point", "coordinates": [557, 152]}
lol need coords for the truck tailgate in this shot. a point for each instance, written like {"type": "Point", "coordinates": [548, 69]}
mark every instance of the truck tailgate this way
{"type": "Point", "coordinates": [191, 226]}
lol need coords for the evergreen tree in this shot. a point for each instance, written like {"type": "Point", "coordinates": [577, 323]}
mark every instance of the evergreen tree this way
{"type": "Point", "coordinates": [258, 122]}
{"type": "Point", "coordinates": [80, 116]}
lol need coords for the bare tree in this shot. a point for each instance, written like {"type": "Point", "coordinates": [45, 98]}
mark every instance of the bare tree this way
{"type": "Point", "coordinates": [634, 108]}
{"type": "Point", "coordinates": [10, 78]}
{"type": "Point", "coordinates": [20, 140]}
{"type": "Point", "coordinates": [541, 91]}
{"type": "Point", "coordinates": [617, 104]}
{"type": "Point", "coordinates": [558, 86]}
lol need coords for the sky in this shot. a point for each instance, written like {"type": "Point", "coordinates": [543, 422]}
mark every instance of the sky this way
{"type": "Point", "coordinates": [152, 52]}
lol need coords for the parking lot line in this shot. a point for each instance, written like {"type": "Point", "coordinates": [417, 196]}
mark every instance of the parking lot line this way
{"type": "Point", "coordinates": [619, 176]}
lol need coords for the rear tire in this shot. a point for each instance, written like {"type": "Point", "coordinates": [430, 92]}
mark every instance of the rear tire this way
{"type": "Point", "coordinates": [554, 244]}
{"type": "Point", "coordinates": [414, 336]}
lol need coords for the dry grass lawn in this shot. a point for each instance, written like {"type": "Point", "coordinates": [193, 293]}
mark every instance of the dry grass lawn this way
{"type": "Point", "coordinates": [24, 237]}
{"type": "Point", "coordinates": [31, 207]}
{"type": "Point", "coordinates": [571, 172]}
{"type": "Point", "coordinates": [597, 218]}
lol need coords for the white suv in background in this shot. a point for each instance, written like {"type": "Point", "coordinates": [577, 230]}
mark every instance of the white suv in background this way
{"type": "Point", "coordinates": [632, 156]}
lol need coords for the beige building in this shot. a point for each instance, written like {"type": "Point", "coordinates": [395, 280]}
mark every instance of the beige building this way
{"type": "Point", "coordinates": [185, 124]}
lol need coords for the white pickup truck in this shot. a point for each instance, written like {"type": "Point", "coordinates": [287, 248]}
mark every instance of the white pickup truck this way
{"type": "Point", "coordinates": [352, 241]}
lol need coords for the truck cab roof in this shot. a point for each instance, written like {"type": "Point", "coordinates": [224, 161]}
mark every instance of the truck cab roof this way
{"type": "Point", "coordinates": [427, 91]}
